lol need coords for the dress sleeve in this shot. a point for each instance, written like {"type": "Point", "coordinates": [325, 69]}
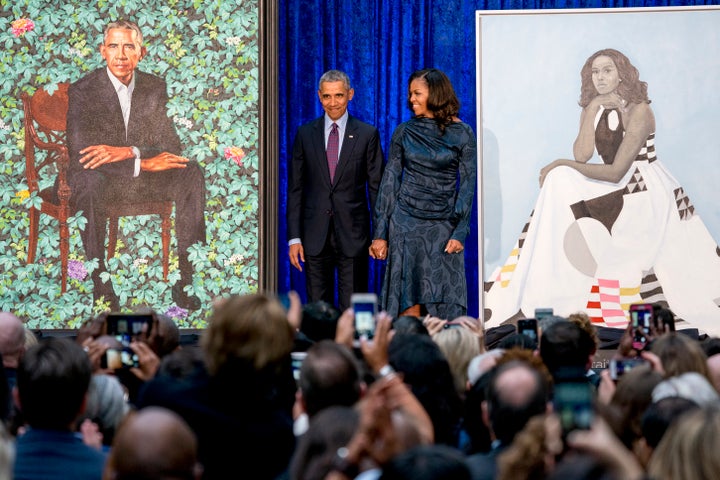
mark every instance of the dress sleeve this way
{"type": "Point", "coordinates": [390, 185]}
{"type": "Point", "coordinates": [466, 191]}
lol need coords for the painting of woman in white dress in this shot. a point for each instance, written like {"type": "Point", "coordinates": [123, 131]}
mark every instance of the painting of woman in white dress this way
{"type": "Point", "coordinates": [606, 234]}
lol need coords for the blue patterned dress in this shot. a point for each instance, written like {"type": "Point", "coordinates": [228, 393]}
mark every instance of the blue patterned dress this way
{"type": "Point", "coordinates": [425, 199]}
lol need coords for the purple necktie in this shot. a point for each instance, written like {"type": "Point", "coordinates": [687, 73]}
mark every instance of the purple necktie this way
{"type": "Point", "coordinates": [332, 150]}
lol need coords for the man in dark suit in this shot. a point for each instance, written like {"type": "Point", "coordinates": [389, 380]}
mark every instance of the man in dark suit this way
{"type": "Point", "coordinates": [333, 180]}
{"type": "Point", "coordinates": [123, 145]}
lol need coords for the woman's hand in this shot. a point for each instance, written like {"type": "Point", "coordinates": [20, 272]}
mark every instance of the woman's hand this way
{"type": "Point", "coordinates": [454, 246]}
{"type": "Point", "coordinates": [434, 324]}
{"type": "Point", "coordinates": [609, 101]}
{"type": "Point", "coordinates": [546, 169]}
{"type": "Point", "coordinates": [379, 249]}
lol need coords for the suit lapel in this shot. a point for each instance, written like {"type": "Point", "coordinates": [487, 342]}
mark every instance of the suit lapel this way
{"type": "Point", "coordinates": [318, 143]}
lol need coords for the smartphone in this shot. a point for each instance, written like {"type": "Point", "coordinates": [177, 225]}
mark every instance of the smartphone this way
{"type": "Point", "coordinates": [297, 359]}
{"type": "Point", "coordinates": [365, 307]}
{"type": "Point", "coordinates": [619, 367]}
{"type": "Point", "coordinates": [641, 317]}
{"type": "Point", "coordinates": [528, 327]}
{"type": "Point", "coordinates": [129, 325]}
{"type": "Point", "coordinates": [573, 403]}
{"type": "Point", "coordinates": [116, 359]}
{"type": "Point", "coordinates": [541, 313]}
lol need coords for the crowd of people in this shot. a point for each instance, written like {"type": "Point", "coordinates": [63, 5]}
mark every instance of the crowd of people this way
{"type": "Point", "coordinates": [293, 394]}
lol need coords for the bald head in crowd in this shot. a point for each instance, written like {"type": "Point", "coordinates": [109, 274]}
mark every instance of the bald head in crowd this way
{"type": "Point", "coordinates": [12, 339]}
{"type": "Point", "coordinates": [153, 443]}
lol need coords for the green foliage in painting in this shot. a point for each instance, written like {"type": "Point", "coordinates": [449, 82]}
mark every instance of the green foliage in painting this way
{"type": "Point", "coordinates": [208, 54]}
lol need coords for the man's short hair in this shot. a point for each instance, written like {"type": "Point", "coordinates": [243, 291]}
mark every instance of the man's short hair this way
{"type": "Point", "coordinates": [566, 346]}
{"type": "Point", "coordinates": [335, 76]}
{"type": "Point", "coordinates": [319, 321]}
{"type": "Point", "coordinates": [126, 25]}
{"type": "Point", "coordinates": [329, 376]}
{"type": "Point", "coordinates": [52, 380]}
{"type": "Point", "coordinates": [509, 416]}
{"type": "Point", "coordinates": [427, 462]}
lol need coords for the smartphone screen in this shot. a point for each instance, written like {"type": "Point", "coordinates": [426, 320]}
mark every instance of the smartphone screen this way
{"type": "Point", "coordinates": [297, 359]}
{"type": "Point", "coordinates": [129, 325]}
{"type": "Point", "coordinates": [619, 367]}
{"type": "Point", "coordinates": [116, 359]}
{"type": "Point", "coordinates": [528, 327]}
{"type": "Point", "coordinates": [641, 317]}
{"type": "Point", "coordinates": [573, 402]}
{"type": "Point", "coordinates": [365, 308]}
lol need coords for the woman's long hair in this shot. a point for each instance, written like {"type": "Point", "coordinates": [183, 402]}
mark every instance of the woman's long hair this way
{"type": "Point", "coordinates": [631, 88]}
{"type": "Point", "coordinates": [442, 101]}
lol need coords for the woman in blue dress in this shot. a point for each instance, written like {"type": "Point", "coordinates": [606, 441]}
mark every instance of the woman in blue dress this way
{"type": "Point", "coordinates": [423, 208]}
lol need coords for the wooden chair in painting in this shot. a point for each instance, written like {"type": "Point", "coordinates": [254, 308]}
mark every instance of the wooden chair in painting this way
{"type": "Point", "coordinates": [45, 147]}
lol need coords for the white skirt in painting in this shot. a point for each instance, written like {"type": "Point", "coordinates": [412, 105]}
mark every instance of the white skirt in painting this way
{"type": "Point", "coordinates": [597, 247]}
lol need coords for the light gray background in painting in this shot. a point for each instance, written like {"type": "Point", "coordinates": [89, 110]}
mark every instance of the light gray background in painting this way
{"type": "Point", "coordinates": [530, 86]}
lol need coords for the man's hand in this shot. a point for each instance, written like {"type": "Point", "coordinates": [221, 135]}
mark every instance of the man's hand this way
{"type": "Point", "coordinates": [375, 350]}
{"type": "Point", "coordinates": [164, 161]}
{"type": "Point", "coordinates": [379, 249]}
{"type": "Point", "coordinates": [297, 255]}
{"type": "Point", "coordinates": [147, 359]}
{"type": "Point", "coordinates": [345, 331]}
{"type": "Point", "coordinates": [96, 155]}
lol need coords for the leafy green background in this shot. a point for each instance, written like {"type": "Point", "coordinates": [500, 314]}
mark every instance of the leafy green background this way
{"type": "Point", "coordinates": [207, 51]}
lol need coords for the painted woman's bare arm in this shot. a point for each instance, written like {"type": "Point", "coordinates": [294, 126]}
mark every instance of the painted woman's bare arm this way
{"type": "Point", "coordinates": [584, 145]}
{"type": "Point", "coordinates": [640, 123]}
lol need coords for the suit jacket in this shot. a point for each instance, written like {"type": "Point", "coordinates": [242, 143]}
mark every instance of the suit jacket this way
{"type": "Point", "coordinates": [313, 200]}
{"type": "Point", "coordinates": [50, 455]}
{"type": "Point", "coordinates": [94, 118]}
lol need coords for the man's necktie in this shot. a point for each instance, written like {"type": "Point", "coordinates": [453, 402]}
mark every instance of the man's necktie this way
{"type": "Point", "coordinates": [332, 150]}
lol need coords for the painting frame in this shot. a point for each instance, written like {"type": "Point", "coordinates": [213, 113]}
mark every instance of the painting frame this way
{"type": "Point", "coordinates": [527, 33]}
{"type": "Point", "coordinates": [209, 34]}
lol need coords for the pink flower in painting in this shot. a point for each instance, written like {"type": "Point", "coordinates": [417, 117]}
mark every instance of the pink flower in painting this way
{"type": "Point", "coordinates": [236, 154]}
{"type": "Point", "coordinates": [76, 270]}
{"type": "Point", "coordinates": [176, 312]}
{"type": "Point", "coordinates": [21, 26]}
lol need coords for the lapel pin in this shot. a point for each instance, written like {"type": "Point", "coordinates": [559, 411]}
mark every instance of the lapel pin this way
{"type": "Point", "coordinates": [350, 136]}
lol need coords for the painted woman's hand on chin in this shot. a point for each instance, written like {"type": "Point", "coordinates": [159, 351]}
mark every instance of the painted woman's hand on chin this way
{"type": "Point", "coordinates": [610, 100]}
{"type": "Point", "coordinates": [546, 169]}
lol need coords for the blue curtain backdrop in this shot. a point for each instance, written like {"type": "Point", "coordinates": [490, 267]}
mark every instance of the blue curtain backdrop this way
{"type": "Point", "coordinates": [379, 43]}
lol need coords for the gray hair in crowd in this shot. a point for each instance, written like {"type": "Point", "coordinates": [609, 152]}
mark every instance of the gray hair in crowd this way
{"type": "Point", "coordinates": [689, 385]}
{"type": "Point", "coordinates": [106, 401]}
{"type": "Point", "coordinates": [483, 363]}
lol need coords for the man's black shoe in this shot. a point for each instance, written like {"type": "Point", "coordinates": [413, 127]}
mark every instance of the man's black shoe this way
{"type": "Point", "coordinates": [183, 300]}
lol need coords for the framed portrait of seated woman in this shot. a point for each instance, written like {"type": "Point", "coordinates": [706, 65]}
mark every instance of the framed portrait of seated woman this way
{"type": "Point", "coordinates": [598, 152]}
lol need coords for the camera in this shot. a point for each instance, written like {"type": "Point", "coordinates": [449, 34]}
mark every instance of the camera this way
{"type": "Point", "coordinates": [365, 307]}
